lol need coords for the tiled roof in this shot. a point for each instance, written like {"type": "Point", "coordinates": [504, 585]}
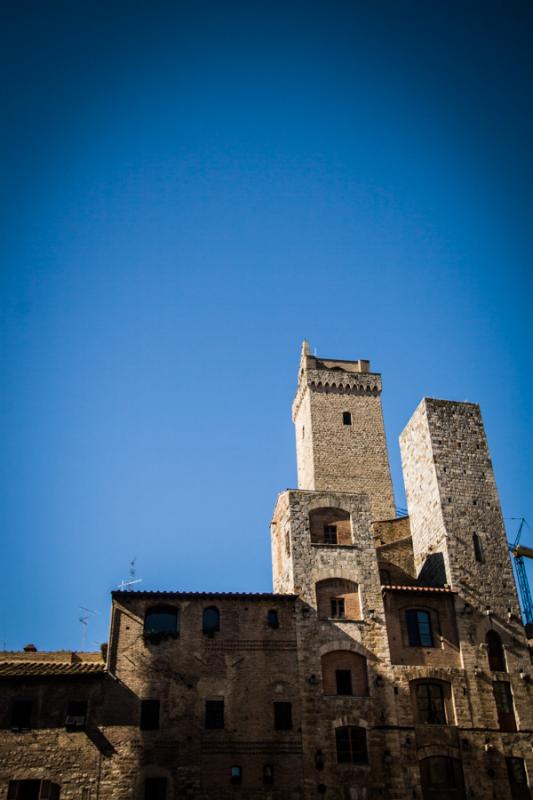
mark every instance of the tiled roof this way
{"type": "Point", "coordinates": [414, 588]}
{"type": "Point", "coordinates": [185, 595]}
{"type": "Point", "coordinates": [30, 669]}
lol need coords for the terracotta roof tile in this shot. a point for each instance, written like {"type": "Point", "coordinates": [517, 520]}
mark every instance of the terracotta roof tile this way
{"type": "Point", "coordinates": [29, 669]}
{"type": "Point", "coordinates": [238, 595]}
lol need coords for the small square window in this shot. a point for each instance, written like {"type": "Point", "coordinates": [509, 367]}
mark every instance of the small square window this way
{"type": "Point", "coordinates": [214, 714]}
{"type": "Point", "coordinates": [337, 607]}
{"type": "Point", "coordinates": [155, 789]}
{"type": "Point", "coordinates": [343, 680]}
{"type": "Point", "coordinates": [268, 774]}
{"type": "Point", "coordinates": [21, 715]}
{"type": "Point", "coordinates": [283, 716]}
{"type": "Point", "coordinates": [272, 618]}
{"type": "Point", "coordinates": [330, 534]}
{"type": "Point", "coordinates": [236, 775]}
{"type": "Point", "coordinates": [149, 715]}
{"type": "Point", "coordinates": [346, 418]}
{"type": "Point", "coordinates": [76, 719]}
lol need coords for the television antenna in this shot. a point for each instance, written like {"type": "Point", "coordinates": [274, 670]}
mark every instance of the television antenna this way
{"type": "Point", "coordinates": [84, 621]}
{"type": "Point", "coordinates": [125, 585]}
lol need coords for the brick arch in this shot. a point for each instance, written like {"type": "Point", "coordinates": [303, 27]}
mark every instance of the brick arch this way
{"type": "Point", "coordinates": [353, 668]}
{"type": "Point", "coordinates": [329, 500]}
{"type": "Point", "coordinates": [342, 644]}
{"type": "Point", "coordinates": [336, 588]}
{"type": "Point", "coordinates": [330, 517]}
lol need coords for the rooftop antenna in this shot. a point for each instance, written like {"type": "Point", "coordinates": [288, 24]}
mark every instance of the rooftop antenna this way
{"type": "Point", "coordinates": [84, 620]}
{"type": "Point", "coordinates": [124, 585]}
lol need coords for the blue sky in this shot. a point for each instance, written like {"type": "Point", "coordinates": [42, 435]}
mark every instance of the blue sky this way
{"type": "Point", "coordinates": [188, 190]}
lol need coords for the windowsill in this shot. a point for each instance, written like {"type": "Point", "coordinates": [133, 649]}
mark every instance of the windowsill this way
{"type": "Point", "coordinates": [335, 546]}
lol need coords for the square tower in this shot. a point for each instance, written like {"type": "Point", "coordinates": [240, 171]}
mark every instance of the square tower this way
{"type": "Point", "coordinates": [340, 436]}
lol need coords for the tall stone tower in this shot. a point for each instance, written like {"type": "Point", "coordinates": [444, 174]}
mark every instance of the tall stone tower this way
{"type": "Point", "coordinates": [456, 520]}
{"type": "Point", "coordinates": [340, 436]}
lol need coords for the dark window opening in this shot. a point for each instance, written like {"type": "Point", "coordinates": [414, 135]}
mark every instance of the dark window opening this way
{"type": "Point", "coordinates": [351, 745]}
{"type": "Point", "coordinates": [21, 715]}
{"type": "Point", "coordinates": [343, 681]}
{"type": "Point", "coordinates": [76, 718]}
{"type": "Point", "coordinates": [441, 773]}
{"type": "Point", "coordinates": [214, 714]}
{"type": "Point", "coordinates": [516, 771]}
{"type": "Point", "coordinates": [330, 534]}
{"type": "Point", "coordinates": [155, 788]}
{"type": "Point", "coordinates": [504, 705]}
{"type": "Point", "coordinates": [337, 607]}
{"type": "Point", "coordinates": [268, 774]}
{"type": "Point", "coordinates": [478, 552]}
{"type": "Point", "coordinates": [32, 790]}
{"type": "Point", "coordinates": [149, 715]}
{"type": "Point", "coordinates": [272, 618]}
{"type": "Point", "coordinates": [210, 621]}
{"type": "Point", "coordinates": [430, 704]}
{"type": "Point", "coordinates": [283, 716]}
{"type": "Point", "coordinates": [161, 622]}
{"type": "Point", "coordinates": [419, 628]}
{"type": "Point", "coordinates": [346, 418]}
{"type": "Point", "coordinates": [495, 652]}
{"type": "Point", "coordinates": [236, 775]}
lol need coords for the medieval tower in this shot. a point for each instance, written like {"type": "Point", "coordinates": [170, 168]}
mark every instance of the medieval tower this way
{"type": "Point", "coordinates": [389, 663]}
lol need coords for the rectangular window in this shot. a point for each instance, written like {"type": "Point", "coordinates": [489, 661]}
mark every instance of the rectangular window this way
{"type": "Point", "coordinates": [330, 534]}
{"type": "Point", "coordinates": [272, 618]}
{"type": "Point", "coordinates": [504, 705]}
{"type": "Point", "coordinates": [76, 719]}
{"type": "Point", "coordinates": [236, 775]}
{"type": "Point", "coordinates": [430, 704]}
{"type": "Point", "coordinates": [516, 771]}
{"type": "Point", "coordinates": [346, 418]}
{"type": "Point", "coordinates": [214, 714]}
{"type": "Point", "coordinates": [283, 716]}
{"type": "Point", "coordinates": [351, 745]}
{"type": "Point", "coordinates": [337, 607]}
{"type": "Point", "coordinates": [149, 715]}
{"type": "Point", "coordinates": [21, 715]}
{"type": "Point", "coordinates": [343, 679]}
{"type": "Point", "coordinates": [268, 774]}
{"type": "Point", "coordinates": [419, 628]}
{"type": "Point", "coordinates": [32, 790]}
{"type": "Point", "coordinates": [155, 789]}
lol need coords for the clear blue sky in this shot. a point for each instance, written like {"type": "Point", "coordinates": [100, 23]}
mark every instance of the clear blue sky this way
{"type": "Point", "coordinates": [188, 189]}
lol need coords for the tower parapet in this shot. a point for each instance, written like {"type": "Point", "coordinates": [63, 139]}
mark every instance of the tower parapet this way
{"type": "Point", "coordinates": [340, 436]}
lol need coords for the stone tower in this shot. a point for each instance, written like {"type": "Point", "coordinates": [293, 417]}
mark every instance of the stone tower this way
{"type": "Point", "coordinates": [456, 520]}
{"type": "Point", "coordinates": [340, 436]}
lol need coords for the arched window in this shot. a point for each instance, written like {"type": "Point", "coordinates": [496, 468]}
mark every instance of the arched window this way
{"type": "Point", "coordinates": [495, 652]}
{"type": "Point", "coordinates": [419, 630]}
{"type": "Point", "coordinates": [161, 621]}
{"type": "Point", "coordinates": [430, 703]}
{"type": "Point", "coordinates": [330, 526]}
{"type": "Point", "coordinates": [351, 745]}
{"type": "Point", "coordinates": [337, 599]}
{"type": "Point", "coordinates": [210, 620]}
{"type": "Point", "coordinates": [344, 672]}
{"type": "Point", "coordinates": [478, 550]}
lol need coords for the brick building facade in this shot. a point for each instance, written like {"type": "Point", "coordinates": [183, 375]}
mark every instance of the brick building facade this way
{"type": "Point", "coordinates": [390, 661]}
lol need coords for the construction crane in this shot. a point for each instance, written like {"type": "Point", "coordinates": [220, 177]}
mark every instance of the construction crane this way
{"type": "Point", "coordinates": [519, 552]}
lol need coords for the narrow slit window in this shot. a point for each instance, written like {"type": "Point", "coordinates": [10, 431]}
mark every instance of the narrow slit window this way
{"type": "Point", "coordinates": [268, 774]}
{"type": "Point", "coordinates": [346, 418]}
{"type": "Point", "coordinates": [478, 550]}
{"type": "Point", "coordinates": [343, 681]}
{"type": "Point", "coordinates": [149, 715]}
{"type": "Point", "coordinates": [236, 775]}
{"type": "Point", "coordinates": [21, 715]}
{"type": "Point", "coordinates": [214, 714]}
{"type": "Point", "coordinates": [272, 618]}
{"type": "Point", "coordinates": [283, 716]}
